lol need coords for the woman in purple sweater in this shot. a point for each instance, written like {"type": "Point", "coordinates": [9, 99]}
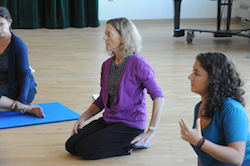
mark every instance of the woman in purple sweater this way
{"type": "Point", "coordinates": [17, 85]}
{"type": "Point", "coordinates": [125, 78]}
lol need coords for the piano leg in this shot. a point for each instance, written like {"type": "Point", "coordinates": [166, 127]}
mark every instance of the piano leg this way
{"type": "Point", "coordinates": [177, 8]}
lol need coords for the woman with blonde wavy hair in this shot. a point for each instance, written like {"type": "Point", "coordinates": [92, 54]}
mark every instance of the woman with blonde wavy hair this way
{"type": "Point", "coordinates": [131, 38]}
{"type": "Point", "coordinates": [125, 77]}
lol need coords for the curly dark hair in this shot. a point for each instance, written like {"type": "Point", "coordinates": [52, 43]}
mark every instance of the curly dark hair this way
{"type": "Point", "coordinates": [225, 81]}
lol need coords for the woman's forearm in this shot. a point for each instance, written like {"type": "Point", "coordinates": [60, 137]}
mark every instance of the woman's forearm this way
{"type": "Point", "coordinates": [90, 112]}
{"type": "Point", "coordinates": [232, 154]}
{"type": "Point", "coordinates": [158, 104]}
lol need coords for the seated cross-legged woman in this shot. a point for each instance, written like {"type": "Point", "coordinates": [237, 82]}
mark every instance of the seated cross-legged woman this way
{"type": "Point", "coordinates": [17, 85]}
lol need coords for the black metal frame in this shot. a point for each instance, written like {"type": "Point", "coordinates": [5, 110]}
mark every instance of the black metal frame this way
{"type": "Point", "coordinates": [218, 33]}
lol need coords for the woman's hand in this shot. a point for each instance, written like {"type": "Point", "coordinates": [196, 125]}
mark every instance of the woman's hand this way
{"type": "Point", "coordinates": [18, 106]}
{"type": "Point", "coordinates": [91, 111]}
{"type": "Point", "coordinates": [193, 136]}
{"type": "Point", "coordinates": [156, 115]}
{"type": "Point", "coordinates": [145, 137]}
{"type": "Point", "coordinates": [78, 125]}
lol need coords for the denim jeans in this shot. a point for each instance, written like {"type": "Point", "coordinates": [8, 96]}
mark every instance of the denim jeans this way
{"type": "Point", "coordinates": [5, 91]}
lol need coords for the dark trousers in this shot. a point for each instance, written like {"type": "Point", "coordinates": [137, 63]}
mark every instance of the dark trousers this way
{"type": "Point", "coordinates": [5, 91]}
{"type": "Point", "coordinates": [101, 140]}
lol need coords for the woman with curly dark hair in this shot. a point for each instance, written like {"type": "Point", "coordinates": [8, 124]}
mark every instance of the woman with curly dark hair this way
{"type": "Point", "coordinates": [220, 134]}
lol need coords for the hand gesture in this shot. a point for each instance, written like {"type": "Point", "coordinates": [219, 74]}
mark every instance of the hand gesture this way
{"type": "Point", "coordinates": [190, 135]}
{"type": "Point", "coordinates": [18, 106]}
{"type": "Point", "coordinates": [78, 125]}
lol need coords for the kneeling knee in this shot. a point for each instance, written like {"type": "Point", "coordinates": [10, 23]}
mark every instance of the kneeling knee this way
{"type": "Point", "coordinates": [70, 148]}
{"type": "Point", "coordinates": [86, 154]}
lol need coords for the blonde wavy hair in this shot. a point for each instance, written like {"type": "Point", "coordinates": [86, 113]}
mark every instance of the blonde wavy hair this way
{"type": "Point", "coordinates": [130, 35]}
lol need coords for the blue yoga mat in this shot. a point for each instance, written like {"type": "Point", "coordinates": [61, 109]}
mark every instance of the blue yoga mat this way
{"type": "Point", "coordinates": [54, 112]}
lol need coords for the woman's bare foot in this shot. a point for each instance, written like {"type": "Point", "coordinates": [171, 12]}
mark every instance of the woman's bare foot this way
{"type": "Point", "coordinates": [35, 110]}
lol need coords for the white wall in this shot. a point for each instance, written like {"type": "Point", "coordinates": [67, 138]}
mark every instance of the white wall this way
{"type": "Point", "coordinates": [157, 9]}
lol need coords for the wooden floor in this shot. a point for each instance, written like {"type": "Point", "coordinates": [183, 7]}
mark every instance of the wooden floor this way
{"type": "Point", "coordinates": [68, 63]}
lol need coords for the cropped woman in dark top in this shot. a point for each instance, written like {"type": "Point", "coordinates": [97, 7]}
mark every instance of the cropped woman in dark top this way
{"type": "Point", "coordinates": [17, 85]}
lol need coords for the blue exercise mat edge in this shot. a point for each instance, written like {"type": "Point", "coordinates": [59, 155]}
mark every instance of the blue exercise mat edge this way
{"type": "Point", "coordinates": [54, 112]}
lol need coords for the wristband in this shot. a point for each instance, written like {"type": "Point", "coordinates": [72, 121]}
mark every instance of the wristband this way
{"type": "Point", "coordinates": [201, 142]}
{"type": "Point", "coordinates": [152, 128]}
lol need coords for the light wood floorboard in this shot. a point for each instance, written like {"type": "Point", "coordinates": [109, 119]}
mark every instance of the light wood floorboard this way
{"type": "Point", "coordinates": [68, 63]}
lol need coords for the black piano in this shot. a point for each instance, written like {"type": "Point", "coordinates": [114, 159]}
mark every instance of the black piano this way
{"type": "Point", "coordinates": [217, 33]}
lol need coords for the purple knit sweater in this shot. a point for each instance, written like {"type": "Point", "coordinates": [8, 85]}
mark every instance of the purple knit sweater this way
{"type": "Point", "coordinates": [129, 105]}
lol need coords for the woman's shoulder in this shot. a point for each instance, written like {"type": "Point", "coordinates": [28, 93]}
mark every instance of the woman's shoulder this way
{"type": "Point", "coordinates": [138, 61]}
{"type": "Point", "coordinates": [198, 105]}
{"type": "Point", "coordinates": [231, 107]}
{"type": "Point", "coordinates": [108, 60]}
{"type": "Point", "coordinates": [16, 40]}
{"type": "Point", "coordinates": [15, 37]}
{"type": "Point", "coordinates": [137, 57]}
{"type": "Point", "coordinates": [231, 103]}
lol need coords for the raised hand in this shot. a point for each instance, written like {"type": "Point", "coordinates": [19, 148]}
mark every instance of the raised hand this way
{"type": "Point", "coordinates": [189, 134]}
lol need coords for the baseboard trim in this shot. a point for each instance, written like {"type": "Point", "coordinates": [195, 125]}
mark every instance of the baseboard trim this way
{"type": "Point", "coordinates": [171, 21]}
{"type": "Point", "coordinates": [245, 22]}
